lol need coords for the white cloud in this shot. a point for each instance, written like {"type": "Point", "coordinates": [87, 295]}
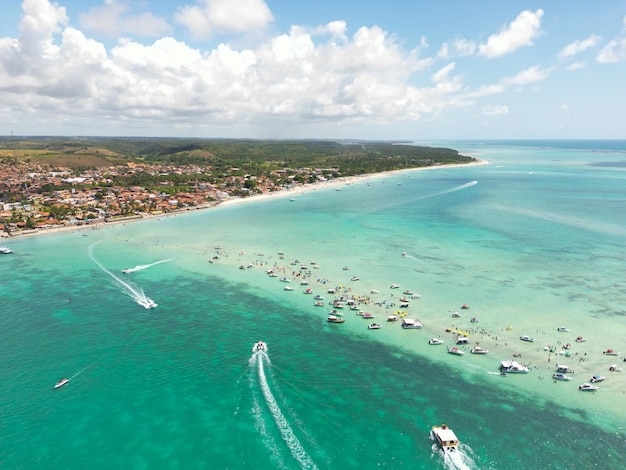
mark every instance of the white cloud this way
{"type": "Point", "coordinates": [113, 19]}
{"type": "Point", "coordinates": [576, 65]}
{"type": "Point", "coordinates": [520, 32]}
{"type": "Point", "coordinates": [613, 52]}
{"type": "Point", "coordinates": [578, 46]}
{"type": "Point", "coordinates": [223, 16]}
{"type": "Point", "coordinates": [497, 110]}
{"type": "Point", "coordinates": [529, 75]}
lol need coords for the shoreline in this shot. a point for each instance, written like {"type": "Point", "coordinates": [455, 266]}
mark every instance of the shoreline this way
{"type": "Point", "coordinates": [299, 190]}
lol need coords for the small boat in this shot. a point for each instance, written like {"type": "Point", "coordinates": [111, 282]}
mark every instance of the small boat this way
{"type": "Point", "coordinates": [561, 376]}
{"type": "Point", "coordinates": [304, 283]}
{"type": "Point", "coordinates": [394, 286]}
{"type": "Point", "coordinates": [474, 320]}
{"type": "Point", "coordinates": [392, 318]}
{"type": "Point", "coordinates": [435, 341]}
{"type": "Point", "coordinates": [456, 351]}
{"type": "Point", "coordinates": [527, 338]}
{"type": "Point", "coordinates": [355, 278]}
{"type": "Point", "coordinates": [456, 315]}
{"type": "Point", "coordinates": [462, 340]}
{"type": "Point", "coordinates": [335, 319]}
{"type": "Point", "coordinates": [368, 315]}
{"type": "Point", "coordinates": [260, 346]}
{"type": "Point", "coordinates": [564, 369]}
{"type": "Point", "coordinates": [346, 268]}
{"type": "Point", "coordinates": [5, 250]}
{"type": "Point", "coordinates": [445, 438]}
{"type": "Point", "coordinates": [588, 387]}
{"type": "Point", "coordinates": [374, 291]}
{"type": "Point", "coordinates": [319, 304]}
{"type": "Point", "coordinates": [374, 326]}
{"type": "Point", "coordinates": [284, 279]}
{"type": "Point", "coordinates": [318, 297]}
{"type": "Point", "coordinates": [287, 288]}
{"type": "Point", "coordinates": [308, 291]}
{"type": "Point", "coordinates": [581, 339]}
{"type": "Point", "coordinates": [479, 350]}
{"type": "Point", "coordinates": [597, 378]}
{"type": "Point", "coordinates": [147, 303]}
{"type": "Point", "coordinates": [465, 307]}
{"type": "Point", "coordinates": [61, 382]}
{"type": "Point", "coordinates": [610, 352]}
{"type": "Point", "coordinates": [615, 368]}
{"type": "Point", "coordinates": [562, 329]}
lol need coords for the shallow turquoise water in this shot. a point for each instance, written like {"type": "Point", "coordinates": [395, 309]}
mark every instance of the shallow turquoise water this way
{"type": "Point", "coordinates": [537, 243]}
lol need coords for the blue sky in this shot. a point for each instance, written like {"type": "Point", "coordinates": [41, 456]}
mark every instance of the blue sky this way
{"type": "Point", "coordinates": [342, 69]}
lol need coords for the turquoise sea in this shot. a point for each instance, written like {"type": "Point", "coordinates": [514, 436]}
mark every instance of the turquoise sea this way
{"type": "Point", "coordinates": [533, 241]}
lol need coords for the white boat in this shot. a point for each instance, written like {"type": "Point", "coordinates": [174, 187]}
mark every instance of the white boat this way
{"type": "Point", "coordinates": [368, 315]}
{"type": "Point", "coordinates": [581, 339]}
{"type": "Point", "coordinates": [562, 329]}
{"type": "Point", "coordinates": [392, 318]}
{"type": "Point", "coordinates": [335, 319]}
{"type": "Point", "coordinates": [374, 326]}
{"type": "Point", "coordinates": [410, 323]}
{"type": "Point", "coordinates": [308, 291]}
{"type": "Point", "coordinates": [445, 438]}
{"type": "Point", "coordinates": [513, 367]}
{"type": "Point", "coordinates": [564, 369]}
{"type": "Point", "coordinates": [588, 387]}
{"type": "Point", "coordinates": [456, 315]}
{"type": "Point", "coordinates": [287, 288]}
{"type": "Point", "coordinates": [462, 340]}
{"type": "Point", "coordinates": [319, 304]}
{"type": "Point", "coordinates": [597, 378]}
{"type": "Point", "coordinates": [615, 368]}
{"type": "Point", "coordinates": [318, 297]}
{"type": "Point", "coordinates": [435, 341]}
{"type": "Point", "coordinates": [5, 250]}
{"type": "Point", "coordinates": [610, 352]}
{"type": "Point", "coordinates": [374, 291]}
{"type": "Point", "coordinates": [127, 270]}
{"type": "Point", "coordinates": [61, 382]}
{"type": "Point", "coordinates": [455, 351]}
{"type": "Point", "coordinates": [561, 376]}
{"type": "Point", "coordinates": [147, 303]}
{"type": "Point", "coordinates": [260, 346]}
{"type": "Point", "coordinates": [527, 338]}
{"type": "Point", "coordinates": [394, 286]}
{"type": "Point", "coordinates": [284, 279]}
{"type": "Point", "coordinates": [479, 350]}
{"type": "Point", "coordinates": [355, 278]}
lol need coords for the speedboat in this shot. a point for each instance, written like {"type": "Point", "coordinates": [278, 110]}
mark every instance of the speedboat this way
{"type": "Point", "coordinates": [394, 286]}
{"type": "Point", "coordinates": [479, 350]}
{"type": "Point", "coordinates": [368, 315]}
{"type": "Point", "coordinates": [610, 352]}
{"type": "Point", "coordinates": [260, 346]}
{"type": "Point", "coordinates": [465, 307]}
{"type": "Point", "coordinates": [147, 303]}
{"type": "Point", "coordinates": [61, 382]}
{"type": "Point", "coordinates": [355, 278]}
{"type": "Point", "coordinates": [456, 315]}
{"type": "Point", "coordinates": [392, 318]}
{"type": "Point", "coordinates": [588, 387]}
{"type": "Point", "coordinates": [456, 351]}
{"type": "Point", "coordinates": [5, 250]}
{"type": "Point", "coordinates": [615, 368]}
{"type": "Point", "coordinates": [308, 291]}
{"type": "Point", "coordinates": [318, 297]}
{"type": "Point", "coordinates": [445, 438]}
{"type": "Point", "coordinates": [581, 339]}
{"type": "Point", "coordinates": [287, 288]}
{"type": "Point", "coordinates": [435, 341]}
{"type": "Point", "coordinates": [462, 340]}
{"type": "Point", "coordinates": [284, 279]}
{"type": "Point", "coordinates": [335, 319]}
{"type": "Point", "coordinates": [527, 338]}
{"type": "Point", "coordinates": [513, 367]}
{"type": "Point", "coordinates": [560, 376]}
{"type": "Point", "coordinates": [562, 329]}
{"type": "Point", "coordinates": [474, 320]}
{"type": "Point", "coordinates": [127, 270]}
{"type": "Point", "coordinates": [564, 369]}
{"type": "Point", "coordinates": [374, 326]}
{"type": "Point", "coordinates": [597, 378]}
{"type": "Point", "coordinates": [319, 304]}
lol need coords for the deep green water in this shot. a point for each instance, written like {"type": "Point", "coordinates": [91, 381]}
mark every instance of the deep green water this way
{"type": "Point", "coordinates": [537, 243]}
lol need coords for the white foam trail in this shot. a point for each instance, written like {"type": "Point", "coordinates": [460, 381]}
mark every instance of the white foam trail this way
{"type": "Point", "coordinates": [296, 449]}
{"type": "Point", "coordinates": [136, 293]}
{"type": "Point", "coordinates": [145, 266]}
{"type": "Point", "coordinates": [459, 460]}
{"type": "Point", "coordinates": [448, 191]}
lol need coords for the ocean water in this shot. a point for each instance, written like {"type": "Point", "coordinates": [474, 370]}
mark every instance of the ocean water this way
{"type": "Point", "coordinates": [533, 241]}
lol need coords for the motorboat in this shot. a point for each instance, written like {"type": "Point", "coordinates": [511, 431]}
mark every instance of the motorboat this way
{"type": "Point", "coordinates": [304, 283]}
{"type": "Point", "coordinates": [581, 339]}
{"type": "Point", "coordinates": [478, 350]}
{"type": "Point", "coordinates": [374, 291]}
{"type": "Point", "coordinates": [456, 315]}
{"type": "Point", "coordinates": [355, 278]}
{"type": "Point", "coordinates": [456, 351]}
{"type": "Point", "coordinates": [373, 326]}
{"type": "Point", "coordinates": [319, 304]}
{"type": "Point", "coordinates": [392, 318]}
{"type": "Point", "coordinates": [127, 270]}
{"type": "Point", "coordinates": [61, 382]}
{"type": "Point", "coordinates": [287, 288]}
{"type": "Point", "coordinates": [318, 297]}
{"type": "Point", "coordinates": [597, 378]}
{"type": "Point", "coordinates": [513, 367]}
{"type": "Point", "coordinates": [435, 341]}
{"type": "Point", "coordinates": [285, 279]}
{"type": "Point", "coordinates": [615, 368]}
{"type": "Point", "coordinates": [394, 286]}
{"type": "Point", "coordinates": [462, 340]}
{"type": "Point", "coordinates": [474, 320]}
{"type": "Point", "coordinates": [527, 338]}
{"type": "Point", "coordinates": [335, 319]}
{"type": "Point", "coordinates": [308, 290]}
{"type": "Point", "coordinates": [588, 387]}
{"type": "Point", "coordinates": [368, 315]}
{"type": "Point", "coordinates": [610, 352]}
{"type": "Point", "coordinates": [465, 307]}
{"type": "Point", "coordinates": [564, 369]}
{"type": "Point", "coordinates": [147, 303]}
{"type": "Point", "coordinates": [410, 323]}
{"type": "Point", "coordinates": [5, 250]}
{"type": "Point", "coordinates": [445, 438]}
{"type": "Point", "coordinates": [561, 376]}
{"type": "Point", "coordinates": [260, 346]}
{"type": "Point", "coordinates": [562, 329]}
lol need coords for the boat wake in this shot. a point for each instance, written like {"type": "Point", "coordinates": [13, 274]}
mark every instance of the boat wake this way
{"type": "Point", "coordinates": [259, 358]}
{"type": "Point", "coordinates": [448, 191]}
{"type": "Point", "coordinates": [135, 292]}
{"type": "Point", "coordinates": [459, 460]}
{"type": "Point", "coordinates": [141, 267]}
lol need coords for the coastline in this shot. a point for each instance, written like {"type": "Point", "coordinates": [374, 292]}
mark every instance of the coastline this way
{"type": "Point", "coordinates": [299, 190]}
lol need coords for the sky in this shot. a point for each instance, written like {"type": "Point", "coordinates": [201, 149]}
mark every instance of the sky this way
{"type": "Point", "coordinates": [323, 69]}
